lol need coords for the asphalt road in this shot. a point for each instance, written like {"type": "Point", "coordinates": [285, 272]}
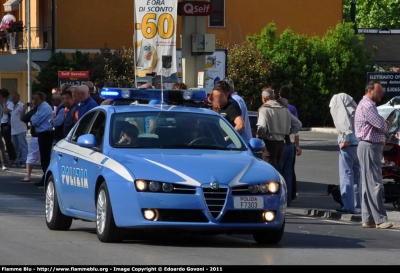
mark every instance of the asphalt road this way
{"type": "Point", "coordinates": [25, 239]}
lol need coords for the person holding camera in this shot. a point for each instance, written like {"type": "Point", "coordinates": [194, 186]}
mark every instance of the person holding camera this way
{"type": "Point", "coordinates": [33, 151]}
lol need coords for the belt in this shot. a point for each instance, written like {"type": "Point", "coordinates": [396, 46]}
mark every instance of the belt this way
{"type": "Point", "coordinates": [354, 145]}
{"type": "Point", "coordinates": [45, 132]}
{"type": "Point", "coordinates": [379, 143]}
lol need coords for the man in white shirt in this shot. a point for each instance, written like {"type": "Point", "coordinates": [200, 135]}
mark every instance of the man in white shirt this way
{"type": "Point", "coordinates": [18, 131]}
{"type": "Point", "coordinates": [5, 124]}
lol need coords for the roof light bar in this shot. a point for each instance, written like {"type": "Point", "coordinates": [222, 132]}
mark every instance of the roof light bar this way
{"type": "Point", "coordinates": [153, 94]}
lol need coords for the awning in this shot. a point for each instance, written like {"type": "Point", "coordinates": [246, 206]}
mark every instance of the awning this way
{"type": "Point", "coordinates": [11, 5]}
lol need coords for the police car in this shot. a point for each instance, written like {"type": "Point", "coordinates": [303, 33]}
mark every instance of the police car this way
{"type": "Point", "coordinates": [162, 167]}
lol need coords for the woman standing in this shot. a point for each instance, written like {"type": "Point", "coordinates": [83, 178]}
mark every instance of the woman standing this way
{"type": "Point", "coordinates": [33, 151]}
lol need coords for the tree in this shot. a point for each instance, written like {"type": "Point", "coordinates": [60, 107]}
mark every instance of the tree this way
{"type": "Point", "coordinates": [315, 68]}
{"type": "Point", "coordinates": [47, 78]}
{"type": "Point", "coordinates": [374, 14]}
{"type": "Point", "coordinates": [249, 70]}
{"type": "Point", "coordinates": [116, 67]}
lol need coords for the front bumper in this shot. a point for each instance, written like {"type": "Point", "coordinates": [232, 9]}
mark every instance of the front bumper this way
{"type": "Point", "coordinates": [191, 212]}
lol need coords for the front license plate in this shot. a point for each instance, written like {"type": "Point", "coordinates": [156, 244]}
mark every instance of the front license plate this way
{"type": "Point", "coordinates": [248, 202]}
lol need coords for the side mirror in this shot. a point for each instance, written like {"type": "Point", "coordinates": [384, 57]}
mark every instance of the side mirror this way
{"type": "Point", "coordinates": [87, 141]}
{"type": "Point", "coordinates": [256, 145]}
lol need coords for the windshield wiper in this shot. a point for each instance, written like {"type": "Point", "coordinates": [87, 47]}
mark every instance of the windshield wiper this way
{"type": "Point", "coordinates": [183, 146]}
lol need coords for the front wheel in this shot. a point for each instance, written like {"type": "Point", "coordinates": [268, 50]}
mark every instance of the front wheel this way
{"type": "Point", "coordinates": [106, 230]}
{"type": "Point", "coordinates": [55, 220]}
{"type": "Point", "coordinates": [269, 237]}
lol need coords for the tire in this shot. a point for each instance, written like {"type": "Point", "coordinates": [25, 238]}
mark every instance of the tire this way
{"type": "Point", "coordinates": [269, 237]}
{"type": "Point", "coordinates": [396, 204]}
{"type": "Point", "coordinates": [55, 220]}
{"type": "Point", "coordinates": [106, 230]}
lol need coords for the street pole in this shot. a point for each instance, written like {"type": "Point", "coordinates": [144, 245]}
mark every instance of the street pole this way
{"type": "Point", "coordinates": [28, 2]}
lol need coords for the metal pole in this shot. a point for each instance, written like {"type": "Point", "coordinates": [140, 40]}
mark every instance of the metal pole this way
{"type": "Point", "coordinates": [134, 42]}
{"type": "Point", "coordinates": [28, 2]}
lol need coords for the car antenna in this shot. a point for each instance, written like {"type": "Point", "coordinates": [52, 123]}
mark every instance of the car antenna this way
{"type": "Point", "coordinates": [162, 86]}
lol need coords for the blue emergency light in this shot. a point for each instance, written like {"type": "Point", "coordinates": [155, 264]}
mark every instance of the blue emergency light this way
{"type": "Point", "coordinates": [153, 94]}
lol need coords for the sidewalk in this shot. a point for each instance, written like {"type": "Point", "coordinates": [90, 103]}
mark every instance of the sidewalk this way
{"type": "Point", "coordinates": [318, 204]}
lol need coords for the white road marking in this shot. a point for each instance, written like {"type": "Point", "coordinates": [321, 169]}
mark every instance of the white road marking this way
{"type": "Point", "coordinates": [35, 175]}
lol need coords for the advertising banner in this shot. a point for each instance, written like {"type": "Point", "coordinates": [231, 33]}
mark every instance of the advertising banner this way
{"type": "Point", "coordinates": [155, 37]}
{"type": "Point", "coordinates": [72, 77]}
{"type": "Point", "coordinates": [390, 82]}
{"type": "Point", "coordinates": [216, 68]}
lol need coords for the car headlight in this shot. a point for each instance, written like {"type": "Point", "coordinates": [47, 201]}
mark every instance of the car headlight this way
{"type": "Point", "coordinates": [141, 185]}
{"type": "Point", "coordinates": [154, 186]}
{"type": "Point", "coordinates": [273, 187]}
{"type": "Point", "coordinates": [151, 186]}
{"type": "Point", "coordinates": [167, 187]}
{"type": "Point", "coordinates": [253, 189]}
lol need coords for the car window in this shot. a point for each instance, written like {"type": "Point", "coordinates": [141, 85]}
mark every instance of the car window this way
{"type": "Point", "coordinates": [83, 126]}
{"type": "Point", "coordinates": [173, 130]}
{"type": "Point", "coordinates": [98, 128]}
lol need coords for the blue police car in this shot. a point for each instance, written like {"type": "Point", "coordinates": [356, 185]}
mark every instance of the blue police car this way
{"type": "Point", "coordinates": [162, 167]}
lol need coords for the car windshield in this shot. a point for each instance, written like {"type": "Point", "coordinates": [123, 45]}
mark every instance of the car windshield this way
{"type": "Point", "coordinates": [173, 130]}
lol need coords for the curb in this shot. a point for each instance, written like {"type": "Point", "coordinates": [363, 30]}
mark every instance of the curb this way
{"type": "Point", "coordinates": [320, 130]}
{"type": "Point", "coordinates": [393, 216]}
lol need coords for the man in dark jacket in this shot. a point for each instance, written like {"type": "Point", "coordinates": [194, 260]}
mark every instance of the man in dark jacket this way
{"type": "Point", "coordinates": [86, 101]}
{"type": "Point", "coordinates": [71, 112]}
{"type": "Point", "coordinates": [93, 93]}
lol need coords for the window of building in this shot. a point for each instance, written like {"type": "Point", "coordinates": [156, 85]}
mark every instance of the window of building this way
{"type": "Point", "coordinates": [217, 18]}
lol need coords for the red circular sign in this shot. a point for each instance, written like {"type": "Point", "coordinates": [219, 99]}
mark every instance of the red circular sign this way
{"type": "Point", "coordinates": [195, 8]}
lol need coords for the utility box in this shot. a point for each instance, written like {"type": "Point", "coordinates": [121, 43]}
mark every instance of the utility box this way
{"type": "Point", "coordinates": [203, 44]}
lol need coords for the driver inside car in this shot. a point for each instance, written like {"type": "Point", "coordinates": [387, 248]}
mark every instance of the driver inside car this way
{"type": "Point", "coordinates": [129, 135]}
{"type": "Point", "coordinates": [190, 131]}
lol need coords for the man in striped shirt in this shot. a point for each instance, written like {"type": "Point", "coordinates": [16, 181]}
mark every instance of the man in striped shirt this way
{"type": "Point", "coordinates": [371, 131]}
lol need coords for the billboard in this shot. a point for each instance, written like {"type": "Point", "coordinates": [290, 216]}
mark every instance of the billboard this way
{"type": "Point", "coordinates": [72, 77]}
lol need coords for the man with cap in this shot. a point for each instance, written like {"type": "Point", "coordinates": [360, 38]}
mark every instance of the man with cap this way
{"type": "Point", "coordinates": [86, 101]}
{"type": "Point", "coordinates": [93, 93]}
{"type": "Point", "coordinates": [246, 133]}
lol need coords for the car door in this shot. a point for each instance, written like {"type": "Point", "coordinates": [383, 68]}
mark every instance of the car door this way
{"type": "Point", "coordinates": [70, 161]}
{"type": "Point", "coordinates": [90, 164]}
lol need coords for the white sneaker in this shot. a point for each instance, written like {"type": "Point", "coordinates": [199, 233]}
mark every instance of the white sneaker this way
{"type": "Point", "coordinates": [4, 168]}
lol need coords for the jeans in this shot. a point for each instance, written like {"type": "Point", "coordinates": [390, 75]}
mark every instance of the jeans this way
{"type": "Point", "coordinates": [286, 170]}
{"type": "Point", "coordinates": [21, 147]}
{"type": "Point", "coordinates": [349, 172]}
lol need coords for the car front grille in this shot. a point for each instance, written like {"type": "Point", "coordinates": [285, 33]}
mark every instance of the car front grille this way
{"type": "Point", "coordinates": [243, 216]}
{"type": "Point", "coordinates": [215, 200]}
{"type": "Point", "coordinates": [181, 215]}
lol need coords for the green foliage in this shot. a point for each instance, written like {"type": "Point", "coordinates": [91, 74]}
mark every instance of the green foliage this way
{"type": "Point", "coordinates": [374, 14]}
{"type": "Point", "coordinates": [250, 71]}
{"type": "Point", "coordinates": [315, 68]}
{"type": "Point", "coordinates": [110, 66]}
{"type": "Point", "coordinates": [116, 67]}
{"type": "Point", "coordinates": [47, 78]}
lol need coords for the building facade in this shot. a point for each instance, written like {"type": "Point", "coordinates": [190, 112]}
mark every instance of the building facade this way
{"type": "Point", "coordinates": [70, 25]}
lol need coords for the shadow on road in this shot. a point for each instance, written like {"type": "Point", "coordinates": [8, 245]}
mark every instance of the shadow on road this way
{"type": "Point", "coordinates": [289, 240]}
{"type": "Point", "coordinates": [322, 148]}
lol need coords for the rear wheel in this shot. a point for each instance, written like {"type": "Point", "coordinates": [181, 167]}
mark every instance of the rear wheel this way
{"type": "Point", "coordinates": [269, 237]}
{"type": "Point", "coordinates": [55, 220]}
{"type": "Point", "coordinates": [106, 229]}
{"type": "Point", "coordinates": [396, 204]}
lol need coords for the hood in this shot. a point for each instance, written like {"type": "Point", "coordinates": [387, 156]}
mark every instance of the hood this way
{"type": "Point", "coordinates": [194, 167]}
{"type": "Point", "coordinates": [272, 104]}
{"type": "Point", "coordinates": [345, 101]}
